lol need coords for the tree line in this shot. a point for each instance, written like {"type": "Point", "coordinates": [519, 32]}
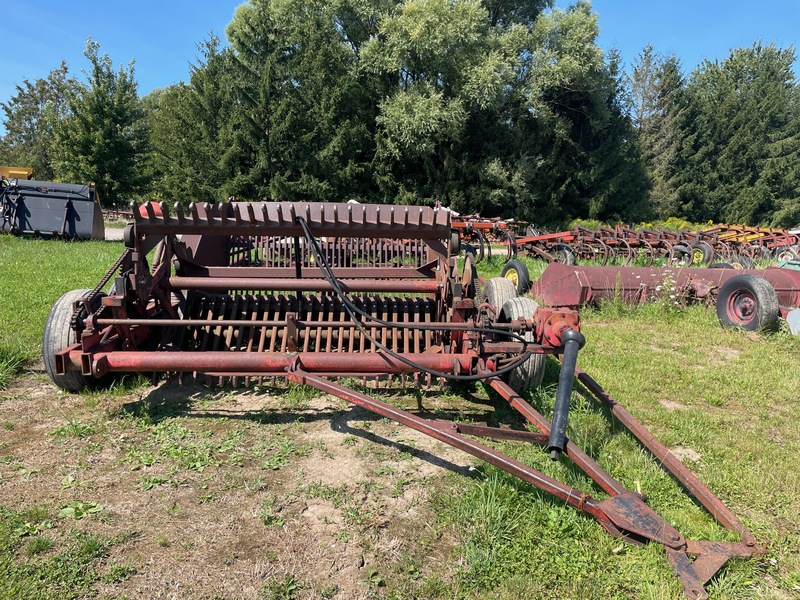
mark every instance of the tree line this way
{"type": "Point", "coordinates": [500, 107]}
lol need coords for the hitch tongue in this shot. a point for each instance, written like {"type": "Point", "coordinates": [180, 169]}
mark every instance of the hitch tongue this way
{"type": "Point", "coordinates": [573, 341]}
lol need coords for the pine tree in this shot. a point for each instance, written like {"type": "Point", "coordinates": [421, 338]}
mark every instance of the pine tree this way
{"type": "Point", "coordinates": [658, 104]}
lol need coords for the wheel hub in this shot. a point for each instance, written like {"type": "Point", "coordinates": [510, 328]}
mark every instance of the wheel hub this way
{"type": "Point", "coordinates": [741, 307]}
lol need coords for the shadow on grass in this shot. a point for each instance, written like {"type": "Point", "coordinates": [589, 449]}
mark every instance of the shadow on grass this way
{"type": "Point", "coordinates": [171, 400]}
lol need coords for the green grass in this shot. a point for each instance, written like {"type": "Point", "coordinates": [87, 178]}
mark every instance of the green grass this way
{"type": "Point", "coordinates": [33, 274]}
{"type": "Point", "coordinates": [65, 563]}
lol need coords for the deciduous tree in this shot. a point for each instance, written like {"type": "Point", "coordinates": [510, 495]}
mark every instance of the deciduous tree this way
{"type": "Point", "coordinates": [103, 139]}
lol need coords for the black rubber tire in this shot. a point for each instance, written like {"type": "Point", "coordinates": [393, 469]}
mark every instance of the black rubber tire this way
{"type": "Point", "coordinates": [563, 253]}
{"type": "Point", "coordinates": [530, 373]}
{"type": "Point", "coordinates": [498, 291]}
{"type": "Point", "coordinates": [740, 261]}
{"type": "Point", "coordinates": [786, 253]}
{"type": "Point", "coordinates": [702, 254]}
{"type": "Point", "coordinates": [681, 256]}
{"type": "Point", "coordinates": [58, 335]}
{"type": "Point", "coordinates": [749, 302]}
{"type": "Point", "coordinates": [720, 265]}
{"type": "Point", "coordinates": [517, 273]}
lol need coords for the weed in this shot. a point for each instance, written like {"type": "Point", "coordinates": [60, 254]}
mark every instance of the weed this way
{"type": "Point", "coordinates": [38, 545]}
{"type": "Point", "coordinates": [374, 578]}
{"type": "Point", "coordinates": [78, 510]}
{"type": "Point", "coordinates": [268, 514]}
{"type": "Point", "coordinates": [148, 482]}
{"type": "Point", "coordinates": [328, 591]}
{"type": "Point", "coordinates": [11, 363]}
{"type": "Point", "coordinates": [117, 573]}
{"type": "Point", "coordinates": [281, 588]}
{"type": "Point", "coordinates": [77, 429]}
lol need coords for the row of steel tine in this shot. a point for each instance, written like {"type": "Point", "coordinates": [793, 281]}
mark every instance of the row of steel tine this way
{"type": "Point", "coordinates": [286, 213]}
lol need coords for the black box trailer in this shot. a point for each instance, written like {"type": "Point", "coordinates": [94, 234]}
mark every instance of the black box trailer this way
{"type": "Point", "coordinates": [47, 208]}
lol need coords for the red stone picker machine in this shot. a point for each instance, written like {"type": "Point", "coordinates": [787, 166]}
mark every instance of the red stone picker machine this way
{"type": "Point", "coordinates": [318, 292]}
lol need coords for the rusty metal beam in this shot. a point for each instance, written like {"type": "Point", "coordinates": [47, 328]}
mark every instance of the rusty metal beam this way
{"type": "Point", "coordinates": [305, 284]}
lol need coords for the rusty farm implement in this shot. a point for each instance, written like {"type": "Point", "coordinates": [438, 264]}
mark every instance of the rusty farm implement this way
{"type": "Point", "coordinates": [753, 299]}
{"type": "Point", "coordinates": [318, 293]}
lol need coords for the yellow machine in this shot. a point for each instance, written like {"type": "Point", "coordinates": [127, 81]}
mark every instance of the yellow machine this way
{"type": "Point", "coordinates": [16, 172]}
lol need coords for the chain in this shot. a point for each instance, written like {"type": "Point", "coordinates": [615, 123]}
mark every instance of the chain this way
{"type": "Point", "coordinates": [90, 296]}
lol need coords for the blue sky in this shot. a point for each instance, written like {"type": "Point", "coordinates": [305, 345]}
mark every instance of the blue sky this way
{"type": "Point", "coordinates": [162, 36]}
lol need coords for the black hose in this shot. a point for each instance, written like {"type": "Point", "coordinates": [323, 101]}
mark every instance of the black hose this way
{"type": "Point", "coordinates": [352, 310]}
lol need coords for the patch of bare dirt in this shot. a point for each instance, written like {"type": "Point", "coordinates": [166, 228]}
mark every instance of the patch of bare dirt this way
{"type": "Point", "coordinates": [670, 405]}
{"type": "Point", "coordinates": [684, 454]}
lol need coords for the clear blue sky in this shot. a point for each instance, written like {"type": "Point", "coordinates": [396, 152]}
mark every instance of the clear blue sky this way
{"type": "Point", "coordinates": [162, 36]}
{"type": "Point", "coordinates": [695, 29]}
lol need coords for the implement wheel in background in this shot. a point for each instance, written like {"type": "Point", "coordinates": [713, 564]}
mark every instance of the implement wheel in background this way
{"type": "Point", "coordinates": [681, 256]}
{"type": "Point", "coordinates": [517, 273]}
{"type": "Point", "coordinates": [740, 261]}
{"type": "Point", "coordinates": [563, 254]}
{"type": "Point", "coordinates": [749, 302]}
{"type": "Point", "coordinates": [786, 253]}
{"type": "Point", "coordinates": [530, 373]}
{"type": "Point", "coordinates": [702, 254]}
{"type": "Point", "coordinates": [58, 335]}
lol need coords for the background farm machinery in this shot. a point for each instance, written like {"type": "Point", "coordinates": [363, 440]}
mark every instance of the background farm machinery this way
{"type": "Point", "coordinates": [48, 208]}
{"type": "Point", "coordinates": [735, 245]}
{"type": "Point", "coordinates": [321, 293]}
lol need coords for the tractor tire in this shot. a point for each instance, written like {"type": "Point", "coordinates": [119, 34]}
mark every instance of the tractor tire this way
{"type": "Point", "coordinates": [681, 256]}
{"type": "Point", "coordinates": [563, 253]}
{"type": "Point", "coordinates": [517, 273]}
{"type": "Point", "coordinates": [741, 262]}
{"type": "Point", "coordinates": [786, 253]}
{"type": "Point", "coordinates": [530, 373]}
{"type": "Point", "coordinates": [498, 291]}
{"type": "Point", "coordinates": [702, 254]}
{"type": "Point", "coordinates": [720, 265]}
{"type": "Point", "coordinates": [749, 302]}
{"type": "Point", "coordinates": [58, 335]}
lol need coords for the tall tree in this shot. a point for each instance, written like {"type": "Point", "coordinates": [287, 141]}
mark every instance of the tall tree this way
{"type": "Point", "coordinates": [104, 137]}
{"type": "Point", "coordinates": [658, 109]}
{"type": "Point", "coordinates": [190, 130]}
{"type": "Point", "coordinates": [30, 116]}
{"type": "Point", "coordinates": [743, 135]}
{"type": "Point", "coordinates": [304, 112]}
{"type": "Point", "coordinates": [588, 165]}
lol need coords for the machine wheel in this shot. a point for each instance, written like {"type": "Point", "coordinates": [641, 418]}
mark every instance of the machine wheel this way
{"type": "Point", "coordinates": [517, 273]}
{"type": "Point", "coordinates": [530, 373]}
{"type": "Point", "coordinates": [681, 256]}
{"type": "Point", "coordinates": [741, 261]}
{"type": "Point", "coordinates": [498, 291]}
{"type": "Point", "coordinates": [702, 253]}
{"type": "Point", "coordinates": [563, 253]}
{"type": "Point", "coordinates": [749, 302]}
{"type": "Point", "coordinates": [58, 335]}
{"type": "Point", "coordinates": [786, 253]}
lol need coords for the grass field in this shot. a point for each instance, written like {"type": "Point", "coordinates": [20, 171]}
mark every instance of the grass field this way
{"type": "Point", "coordinates": [278, 492]}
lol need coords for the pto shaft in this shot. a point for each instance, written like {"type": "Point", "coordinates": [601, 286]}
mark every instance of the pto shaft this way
{"type": "Point", "coordinates": [573, 341]}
